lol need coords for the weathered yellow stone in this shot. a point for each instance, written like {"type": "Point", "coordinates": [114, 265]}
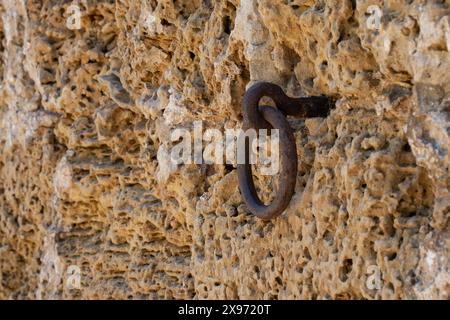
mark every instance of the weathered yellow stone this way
{"type": "Point", "coordinates": [86, 113]}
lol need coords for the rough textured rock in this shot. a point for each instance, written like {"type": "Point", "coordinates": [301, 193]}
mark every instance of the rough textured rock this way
{"type": "Point", "coordinates": [85, 122]}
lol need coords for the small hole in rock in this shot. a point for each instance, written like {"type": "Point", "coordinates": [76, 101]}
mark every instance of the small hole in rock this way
{"type": "Point", "coordinates": [227, 25]}
{"type": "Point", "coordinates": [392, 256]}
{"type": "Point", "coordinates": [345, 270]}
{"type": "Point", "coordinates": [406, 147]}
{"type": "Point", "coordinates": [228, 168]}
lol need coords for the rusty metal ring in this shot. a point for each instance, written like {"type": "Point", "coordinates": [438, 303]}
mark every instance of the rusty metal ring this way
{"type": "Point", "coordinates": [266, 117]}
{"type": "Point", "coordinates": [288, 169]}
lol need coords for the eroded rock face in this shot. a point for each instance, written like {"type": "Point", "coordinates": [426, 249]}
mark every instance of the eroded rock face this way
{"type": "Point", "coordinates": [86, 114]}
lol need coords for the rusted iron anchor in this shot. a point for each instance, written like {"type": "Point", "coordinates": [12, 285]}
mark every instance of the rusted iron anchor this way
{"type": "Point", "coordinates": [266, 117]}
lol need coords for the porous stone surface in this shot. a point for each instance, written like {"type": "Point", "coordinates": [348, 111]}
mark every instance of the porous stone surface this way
{"type": "Point", "coordinates": [86, 182]}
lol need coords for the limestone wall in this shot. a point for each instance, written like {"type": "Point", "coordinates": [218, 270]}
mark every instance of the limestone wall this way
{"type": "Point", "coordinates": [86, 112]}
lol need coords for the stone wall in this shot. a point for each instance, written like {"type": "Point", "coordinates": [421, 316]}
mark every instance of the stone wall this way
{"type": "Point", "coordinates": [87, 107]}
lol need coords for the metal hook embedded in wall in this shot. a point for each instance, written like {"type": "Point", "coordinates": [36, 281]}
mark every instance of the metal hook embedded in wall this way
{"type": "Point", "coordinates": [266, 117]}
